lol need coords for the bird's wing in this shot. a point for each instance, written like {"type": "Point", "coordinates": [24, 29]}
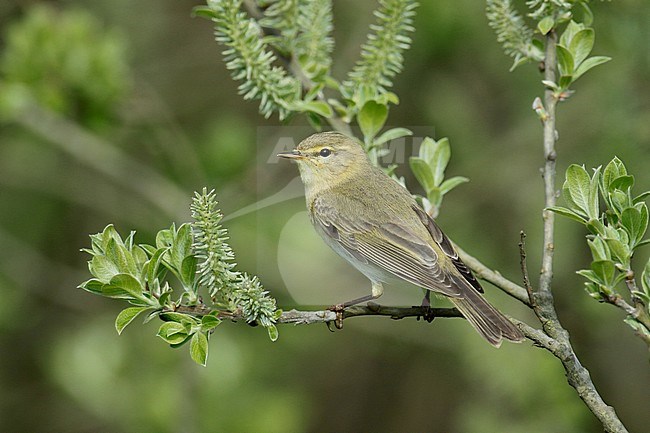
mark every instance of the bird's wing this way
{"type": "Point", "coordinates": [445, 245]}
{"type": "Point", "coordinates": [390, 246]}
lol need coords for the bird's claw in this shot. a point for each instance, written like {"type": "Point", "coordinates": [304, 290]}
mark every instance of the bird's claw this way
{"type": "Point", "coordinates": [427, 313]}
{"type": "Point", "coordinates": [338, 322]}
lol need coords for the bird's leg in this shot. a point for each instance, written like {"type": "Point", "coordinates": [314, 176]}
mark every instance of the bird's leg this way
{"type": "Point", "coordinates": [377, 291]}
{"type": "Point", "coordinates": [426, 307]}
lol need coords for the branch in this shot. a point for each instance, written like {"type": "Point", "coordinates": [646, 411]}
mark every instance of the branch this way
{"type": "Point", "coordinates": [524, 267]}
{"type": "Point", "coordinates": [543, 297]}
{"type": "Point", "coordinates": [297, 317]}
{"type": "Point", "coordinates": [559, 343]}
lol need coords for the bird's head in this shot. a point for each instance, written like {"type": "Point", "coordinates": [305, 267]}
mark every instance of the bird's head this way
{"type": "Point", "coordinates": [327, 158]}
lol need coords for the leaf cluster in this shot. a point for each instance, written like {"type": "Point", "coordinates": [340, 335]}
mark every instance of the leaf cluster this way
{"type": "Point", "coordinates": [524, 44]}
{"type": "Point", "coordinates": [615, 232]}
{"type": "Point", "coordinates": [198, 258]}
{"type": "Point", "coordinates": [429, 169]}
{"type": "Point", "coordinates": [576, 43]}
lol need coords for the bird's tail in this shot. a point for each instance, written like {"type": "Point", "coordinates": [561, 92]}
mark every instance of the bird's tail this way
{"type": "Point", "coordinates": [489, 322]}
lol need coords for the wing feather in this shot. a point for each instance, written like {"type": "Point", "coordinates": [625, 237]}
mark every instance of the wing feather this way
{"type": "Point", "coordinates": [389, 246]}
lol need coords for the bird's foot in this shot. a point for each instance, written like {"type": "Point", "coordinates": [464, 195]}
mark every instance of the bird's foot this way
{"type": "Point", "coordinates": [427, 311]}
{"type": "Point", "coordinates": [338, 322]}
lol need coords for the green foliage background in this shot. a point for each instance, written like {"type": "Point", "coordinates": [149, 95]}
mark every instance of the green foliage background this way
{"type": "Point", "coordinates": [147, 79]}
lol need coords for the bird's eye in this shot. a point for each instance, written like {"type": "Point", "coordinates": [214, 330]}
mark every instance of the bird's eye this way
{"type": "Point", "coordinates": [325, 152]}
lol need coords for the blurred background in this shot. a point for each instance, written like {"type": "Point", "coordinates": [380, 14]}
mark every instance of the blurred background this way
{"type": "Point", "coordinates": [115, 112]}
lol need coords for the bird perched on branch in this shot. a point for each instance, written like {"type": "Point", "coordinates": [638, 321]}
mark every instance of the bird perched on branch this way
{"type": "Point", "coordinates": [375, 224]}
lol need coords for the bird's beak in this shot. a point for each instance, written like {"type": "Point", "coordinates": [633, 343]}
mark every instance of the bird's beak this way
{"type": "Point", "coordinates": [294, 154]}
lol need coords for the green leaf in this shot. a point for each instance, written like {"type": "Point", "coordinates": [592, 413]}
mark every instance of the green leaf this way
{"type": "Point", "coordinates": [593, 211]}
{"type": "Point", "coordinates": [596, 227]}
{"type": "Point", "coordinates": [92, 286]}
{"type": "Point", "coordinates": [203, 12]}
{"type": "Point", "coordinates": [452, 183]}
{"type": "Point", "coordinates": [126, 316]}
{"type": "Point", "coordinates": [371, 118]}
{"type": "Point", "coordinates": [435, 197]}
{"type": "Point", "coordinates": [599, 249]}
{"type": "Point", "coordinates": [164, 238]}
{"type": "Point", "coordinates": [619, 200]}
{"type": "Point", "coordinates": [588, 15]}
{"type": "Point", "coordinates": [318, 107]}
{"type": "Point", "coordinates": [588, 64]}
{"type": "Point", "coordinates": [102, 268]}
{"type": "Point", "coordinates": [181, 246]}
{"type": "Point", "coordinates": [605, 270]}
{"type": "Point", "coordinates": [635, 222]}
{"type": "Point", "coordinates": [128, 283]}
{"type": "Point", "coordinates": [590, 275]}
{"type": "Point", "coordinates": [440, 159]}
{"type": "Point", "coordinates": [188, 271]}
{"type": "Point", "coordinates": [641, 197]}
{"type": "Point", "coordinates": [209, 322]}
{"type": "Point", "coordinates": [392, 134]}
{"type": "Point", "coordinates": [422, 173]}
{"type": "Point", "coordinates": [321, 108]}
{"type": "Point", "coordinates": [637, 326]}
{"type": "Point", "coordinates": [118, 254]}
{"type": "Point", "coordinates": [273, 332]}
{"type": "Point", "coordinates": [622, 183]}
{"type": "Point", "coordinates": [427, 149]}
{"type": "Point", "coordinates": [199, 348]}
{"type": "Point", "coordinates": [153, 265]}
{"type": "Point", "coordinates": [571, 29]}
{"type": "Point", "coordinates": [388, 98]}
{"type": "Point", "coordinates": [315, 121]}
{"type": "Point", "coordinates": [620, 250]}
{"type": "Point", "coordinates": [581, 45]}
{"type": "Point", "coordinates": [643, 243]}
{"type": "Point", "coordinates": [567, 213]}
{"type": "Point", "coordinates": [186, 319]}
{"type": "Point", "coordinates": [545, 25]}
{"type": "Point", "coordinates": [593, 290]}
{"type": "Point", "coordinates": [565, 61]}
{"type": "Point", "coordinates": [614, 169]}
{"type": "Point", "coordinates": [565, 81]}
{"type": "Point", "coordinates": [579, 188]}
{"type": "Point", "coordinates": [173, 332]}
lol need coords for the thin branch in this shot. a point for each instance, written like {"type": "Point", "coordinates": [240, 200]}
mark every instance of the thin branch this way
{"type": "Point", "coordinates": [524, 266]}
{"type": "Point", "coordinates": [297, 317]}
{"type": "Point", "coordinates": [308, 317]}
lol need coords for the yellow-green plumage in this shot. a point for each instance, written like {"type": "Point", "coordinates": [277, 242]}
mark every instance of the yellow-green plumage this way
{"type": "Point", "coordinates": [374, 223]}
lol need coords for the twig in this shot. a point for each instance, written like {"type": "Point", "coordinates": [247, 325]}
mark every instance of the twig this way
{"type": "Point", "coordinates": [297, 317]}
{"type": "Point", "coordinates": [396, 313]}
{"type": "Point", "coordinates": [524, 267]}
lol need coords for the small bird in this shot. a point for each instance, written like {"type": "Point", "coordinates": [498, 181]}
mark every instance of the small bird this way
{"type": "Point", "coordinates": [375, 224]}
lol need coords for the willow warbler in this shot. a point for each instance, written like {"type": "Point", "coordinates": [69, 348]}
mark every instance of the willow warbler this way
{"type": "Point", "coordinates": [376, 225]}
